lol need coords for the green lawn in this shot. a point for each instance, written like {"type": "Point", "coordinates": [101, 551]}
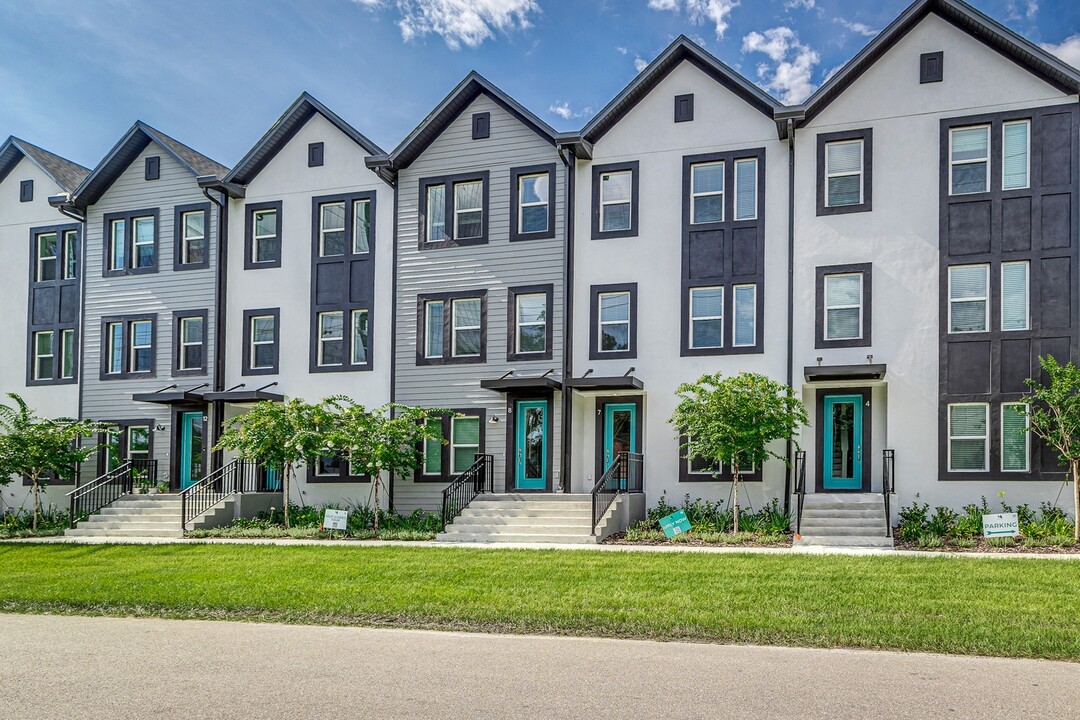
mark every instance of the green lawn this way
{"type": "Point", "coordinates": [1011, 607]}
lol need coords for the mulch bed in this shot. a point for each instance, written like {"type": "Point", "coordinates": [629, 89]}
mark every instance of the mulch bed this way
{"type": "Point", "coordinates": [692, 541]}
{"type": "Point", "coordinates": [981, 546]}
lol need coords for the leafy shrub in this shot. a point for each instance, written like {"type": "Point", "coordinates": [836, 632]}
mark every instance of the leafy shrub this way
{"type": "Point", "coordinates": [941, 524]}
{"type": "Point", "coordinates": [1065, 541]}
{"type": "Point", "coordinates": [710, 517]}
{"type": "Point", "coordinates": [969, 524]}
{"type": "Point", "coordinates": [930, 540]}
{"type": "Point", "coordinates": [912, 522]}
{"type": "Point", "coordinates": [963, 542]}
{"type": "Point", "coordinates": [1001, 542]}
{"type": "Point", "coordinates": [305, 522]}
{"type": "Point", "coordinates": [18, 523]}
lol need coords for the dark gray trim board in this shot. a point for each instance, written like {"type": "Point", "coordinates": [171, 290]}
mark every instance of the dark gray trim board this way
{"type": "Point", "coordinates": [866, 269]}
{"type": "Point", "coordinates": [448, 239]}
{"type": "Point", "coordinates": [597, 171]}
{"type": "Point", "coordinates": [129, 242]}
{"type": "Point", "coordinates": [522, 384]}
{"type": "Point", "coordinates": [515, 202]}
{"type": "Point", "coordinates": [447, 299]}
{"type": "Point", "coordinates": [867, 137]}
{"type": "Point", "coordinates": [177, 316]}
{"type": "Point", "coordinates": [447, 473]}
{"type": "Point", "coordinates": [249, 230]}
{"type": "Point", "coordinates": [594, 322]}
{"type": "Point", "coordinates": [819, 436]}
{"type": "Point", "coordinates": [595, 382]}
{"type": "Point", "coordinates": [834, 373]}
{"type": "Point", "coordinates": [125, 356]}
{"type": "Point", "coordinates": [246, 368]}
{"type": "Point", "coordinates": [511, 322]}
{"type": "Point", "coordinates": [178, 229]}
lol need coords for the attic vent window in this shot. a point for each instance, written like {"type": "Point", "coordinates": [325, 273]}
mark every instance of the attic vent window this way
{"type": "Point", "coordinates": [481, 125]}
{"type": "Point", "coordinates": [930, 67]}
{"type": "Point", "coordinates": [26, 191]}
{"type": "Point", "coordinates": [153, 168]}
{"type": "Point", "coordinates": [684, 108]}
{"type": "Point", "coordinates": [315, 154]}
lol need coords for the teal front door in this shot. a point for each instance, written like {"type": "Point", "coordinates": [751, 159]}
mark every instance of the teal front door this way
{"type": "Point", "coordinates": [842, 443]}
{"type": "Point", "coordinates": [191, 448]}
{"type": "Point", "coordinates": [531, 440]}
{"type": "Point", "coordinates": [620, 431]}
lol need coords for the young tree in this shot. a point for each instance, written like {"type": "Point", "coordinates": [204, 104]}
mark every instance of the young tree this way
{"type": "Point", "coordinates": [280, 436]}
{"type": "Point", "coordinates": [734, 420]}
{"type": "Point", "coordinates": [39, 448]}
{"type": "Point", "coordinates": [1054, 416]}
{"type": "Point", "coordinates": [385, 440]}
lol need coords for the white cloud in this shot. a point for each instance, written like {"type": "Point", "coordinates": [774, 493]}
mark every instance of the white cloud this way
{"type": "Point", "coordinates": [700, 11]}
{"type": "Point", "coordinates": [805, 4]}
{"type": "Point", "coordinates": [621, 50]}
{"type": "Point", "coordinates": [640, 64]}
{"type": "Point", "coordinates": [1014, 13]}
{"type": "Point", "coordinates": [563, 110]}
{"type": "Point", "coordinates": [1068, 49]}
{"type": "Point", "coordinates": [858, 27]}
{"type": "Point", "coordinates": [458, 22]}
{"type": "Point", "coordinates": [789, 76]}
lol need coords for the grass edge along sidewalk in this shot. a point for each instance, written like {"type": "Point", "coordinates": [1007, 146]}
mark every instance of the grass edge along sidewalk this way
{"type": "Point", "coordinates": [1011, 608]}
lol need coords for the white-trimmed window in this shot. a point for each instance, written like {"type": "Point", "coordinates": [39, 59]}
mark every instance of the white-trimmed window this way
{"type": "Point", "coordinates": [434, 310]}
{"type": "Point", "coordinates": [843, 306]}
{"type": "Point", "coordinates": [1015, 438]}
{"type": "Point", "coordinates": [531, 321]}
{"type": "Point", "coordinates": [263, 338]}
{"type": "Point", "coordinates": [193, 237]}
{"type": "Point", "coordinates": [1015, 295]}
{"type": "Point", "coordinates": [67, 354]}
{"type": "Point", "coordinates": [1016, 154]}
{"type": "Point", "coordinates": [969, 306]}
{"type": "Point", "coordinates": [142, 346]}
{"type": "Point", "coordinates": [707, 193]}
{"type": "Point", "coordinates": [46, 257]}
{"type": "Point", "coordinates": [331, 229]}
{"type": "Point", "coordinates": [361, 226]}
{"type": "Point", "coordinates": [433, 448]}
{"type": "Point", "coordinates": [465, 324]}
{"type": "Point", "coordinates": [138, 442]}
{"type": "Point", "coordinates": [468, 209]}
{"type": "Point", "coordinates": [331, 338]}
{"type": "Point", "coordinates": [117, 245]}
{"type": "Point", "coordinates": [614, 322]}
{"type": "Point", "coordinates": [190, 355]}
{"type": "Point", "coordinates": [114, 333]}
{"type": "Point", "coordinates": [44, 355]}
{"type": "Point", "coordinates": [707, 317]}
{"type": "Point", "coordinates": [615, 200]}
{"type": "Point", "coordinates": [533, 199]}
{"type": "Point", "coordinates": [143, 242]}
{"type": "Point", "coordinates": [360, 345]}
{"type": "Point", "coordinates": [746, 181]}
{"type": "Point", "coordinates": [71, 254]}
{"type": "Point", "coordinates": [969, 437]}
{"type": "Point", "coordinates": [328, 465]}
{"type": "Point", "coordinates": [744, 328]}
{"type": "Point", "coordinates": [264, 235]}
{"type": "Point", "coordinates": [464, 442]}
{"type": "Point", "coordinates": [844, 173]}
{"type": "Point", "coordinates": [969, 160]}
{"type": "Point", "coordinates": [436, 213]}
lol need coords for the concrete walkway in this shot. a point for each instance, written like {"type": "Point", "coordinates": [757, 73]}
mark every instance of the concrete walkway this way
{"type": "Point", "coordinates": [76, 668]}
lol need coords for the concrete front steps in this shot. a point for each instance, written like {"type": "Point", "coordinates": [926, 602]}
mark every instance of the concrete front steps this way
{"type": "Point", "coordinates": [149, 516]}
{"type": "Point", "coordinates": [844, 520]}
{"type": "Point", "coordinates": [524, 518]}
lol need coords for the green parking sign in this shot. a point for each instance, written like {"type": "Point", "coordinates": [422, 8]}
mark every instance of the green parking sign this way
{"type": "Point", "coordinates": [675, 524]}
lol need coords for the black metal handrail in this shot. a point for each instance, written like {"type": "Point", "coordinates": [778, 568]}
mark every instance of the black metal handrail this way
{"type": "Point", "coordinates": [465, 487]}
{"type": "Point", "coordinates": [110, 487]}
{"type": "Point", "coordinates": [239, 476]}
{"type": "Point", "coordinates": [888, 485]}
{"type": "Point", "coordinates": [624, 475]}
{"type": "Point", "coordinates": [800, 487]}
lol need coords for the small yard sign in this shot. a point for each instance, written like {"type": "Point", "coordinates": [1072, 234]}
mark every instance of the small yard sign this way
{"type": "Point", "coordinates": [1001, 525]}
{"type": "Point", "coordinates": [336, 520]}
{"type": "Point", "coordinates": [675, 524]}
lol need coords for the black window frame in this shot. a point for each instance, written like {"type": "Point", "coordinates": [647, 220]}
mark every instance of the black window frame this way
{"type": "Point", "coordinates": [447, 472]}
{"type": "Point", "coordinates": [129, 242]}
{"type": "Point", "coordinates": [448, 182]}
{"type": "Point", "coordinates": [123, 426]}
{"type": "Point", "coordinates": [686, 475]}
{"type": "Point", "coordinates": [821, 272]}
{"type": "Point", "coordinates": [178, 316]}
{"type": "Point", "coordinates": [448, 299]}
{"type": "Point", "coordinates": [178, 236]}
{"type": "Point", "coordinates": [55, 291]}
{"type": "Point", "coordinates": [634, 168]}
{"type": "Point", "coordinates": [595, 291]}
{"type": "Point", "coordinates": [249, 230]}
{"type": "Point", "coordinates": [516, 173]}
{"type": "Point", "coordinates": [343, 475]}
{"type": "Point", "coordinates": [824, 139]}
{"type": "Point", "coordinates": [125, 357]}
{"type": "Point", "coordinates": [512, 293]}
{"type": "Point", "coordinates": [246, 358]}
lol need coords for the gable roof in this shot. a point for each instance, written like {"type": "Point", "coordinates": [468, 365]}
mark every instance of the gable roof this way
{"type": "Point", "coordinates": [66, 174]}
{"type": "Point", "coordinates": [282, 131]}
{"type": "Point", "coordinates": [124, 153]}
{"type": "Point", "coordinates": [980, 26]}
{"type": "Point", "coordinates": [683, 48]}
{"type": "Point", "coordinates": [473, 86]}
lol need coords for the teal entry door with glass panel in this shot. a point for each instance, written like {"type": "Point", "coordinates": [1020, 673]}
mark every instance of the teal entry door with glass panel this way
{"type": "Point", "coordinates": [620, 431]}
{"type": "Point", "coordinates": [191, 448]}
{"type": "Point", "coordinates": [842, 443]}
{"type": "Point", "coordinates": [531, 439]}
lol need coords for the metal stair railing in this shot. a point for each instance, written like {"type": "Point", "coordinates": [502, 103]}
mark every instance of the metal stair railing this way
{"type": "Point", "coordinates": [465, 487]}
{"type": "Point", "coordinates": [888, 485]}
{"type": "Point", "coordinates": [624, 475]}
{"type": "Point", "coordinates": [87, 499]}
{"type": "Point", "coordinates": [238, 476]}
{"type": "Point", "coordinates": [800, 488]}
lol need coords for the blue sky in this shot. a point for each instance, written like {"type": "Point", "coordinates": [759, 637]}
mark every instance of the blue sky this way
{"type": "Point", "coordinates": [216, 73]}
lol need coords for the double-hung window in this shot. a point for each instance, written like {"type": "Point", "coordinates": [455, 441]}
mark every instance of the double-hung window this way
{"type": "Point", "coordinates": [332, 229]}
{"type": "Point", "coordinates": [616, 201]}
{"type": "Point", "coordinates": [707, 193]}
{"type": "Point", "coordinates": [969, 160]}
{"type": "Point", "coordinates": [614, 326]}
{"type": "Point", "coordinates": [843, 173]}
{"type": "Point", "coordinates": [531, 316]}
{"type": "Point", "coordinates": [144, 241]}
{"type": "Point", "coordinates": [467, 328]}
{"type": "Point", "coordinates": [454, 210]}
{"type": "Point", "coordinates": [191, 343]}
{"type": "Point", "coordinates": [128, 347]}
{"type": "Point", "coordinates": [969, 305]}
{"type": "Point", "coordinates": [47, 257]}
{"type": "Point", "coordinates": [464, 442]}
{"type": "Point", "coordinates": [138, 442]}
{"type": "Point", "coordinates": [114, 348]}
{"type": "Point", "coordinates": [261, 341]}
{"type": "Point", "coordinates": [1015, 438]}
{"type": "Point", "coordinates": [434, 311]}
{"type": "Point", "coordinates": [456, 439]}
{"type": "Point", "coordinates": [131, 242]}
{"type": "Point", "coordinates": [331, 338]}
{"type": "Point", "coordinates": [969, 434]}
{"type": "Point", "coordinates": [263, 235]}
{"type": "Point", "coordinates": [436, 213]}
{"type": "Point", "coordinates": [44, 355]}
{"type": "Point", "coordinates": [117, 245]}
{"type": "Point", "coordinates": [533, 201]}
{"type": "Point", "coordinates": [191, 225]}
{"type": "Point", "coordinates": [707, 317]}
{"type": "Point", "coordinates": [141, 357]}
{"type": "Point", "coordinates": [469, 210]}
{"type": "Point", "coordinates": [1015, 303]}
{"type": "Point", "coordinates": [746, 180]}
{"type": "Point", "coordinates": [843, 306]}
{"type": "Point", "coordinates": [744, 327]}
{"type": "Point", "coordinates": [453, 328]}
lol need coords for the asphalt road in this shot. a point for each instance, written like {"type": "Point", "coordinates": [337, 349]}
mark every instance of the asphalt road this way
{"type": "Point", "coordinates": [71, 668]}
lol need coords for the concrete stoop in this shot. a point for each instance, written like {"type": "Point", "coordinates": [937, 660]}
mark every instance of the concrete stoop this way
{"type": "Point", "coordinates": [147, 516]}
{"type": "Point", "coordinates": [844, 520]}
{"type": "Point", "coordinates": [524, 518]}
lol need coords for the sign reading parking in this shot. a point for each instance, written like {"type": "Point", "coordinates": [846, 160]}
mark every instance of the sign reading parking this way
{"type": "Point", "coordinates": [1001, 525]}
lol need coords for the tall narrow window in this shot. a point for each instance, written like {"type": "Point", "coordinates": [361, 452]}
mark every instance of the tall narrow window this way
{"type": "Point", "coordinates": [114, 333]}
{"type": "Point", "coordinates": [193, 238]}
{"type": "Point", "coordinates": [433, 328]}
{"type": "Point", "coordinates": [466, 327]}
{"type": "Point", "coordinates": [264, 236]}
{"type": "Point", "coordinates": [190, 354]}
{"type": "Point", "coordinates": [331, 338]}
{"type": "Point", "coordinates": [331, 229]}
{"type": "Point", "coordinates": [707, 193]}
{"type": "Point", "coordinates": [117, 245]}
{"type": "Point", "coordinates": [360, 345]}
{"type": "Point", "coordinates": [263, 339]}
{"type": "Point", "coordinates": [968, 298]}
{"type": "Point", "coordinates": [71, 254]}
{"type": "Point", "coordinates": [969, 154]}
{"type": "Point", "coordinates": [468, 210]}
{"type": "Point", "coordinates": [46, 257]}
{"type": "Point", "coordinates": [1015, 438]}
{"type": "Point", "coordinates": [142, 346]}
{"type": "Point", "coordinates": [969, 429]}
{"type": "Point", "coordinates": [138, 442]}
{"type": "Point", "coordinates": [614, 330]}
{"type": "Point", "coordinates": [707, 317]}
{"type": "Point", "coordinates": [843, 173]}
{"type": "Point", "coordinates": [745, 325]}
{"type": "Point", "coordinates": [361, 226]}
{"type": "Point", "coordinates": [531, 314]}
{"type": "Point", "coordinates": [67, 354]}
{"type": "Point", "coordinates": [433, 448]}
{"type": "Point", "coordinates": [533, 199]}
{"type": "Point", "coordinates": [615, 201]}
{"type": "Point", "coordinates": [44, 355]}
{"type": "Point", "coordinates": [1016, 151]}
{"type": "Point", "coordinates": [843, 306]}
{"type": "Point", "coordinates": [436, 213]}
{"type": "Point", "coordinates": [1014, 296]}
{"type": "Point", "coordinates": [144, 242]}
{"type": "Point", "coordinates": [464, 442]}
{"type": "Point", "coordinates": [746, 189]}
